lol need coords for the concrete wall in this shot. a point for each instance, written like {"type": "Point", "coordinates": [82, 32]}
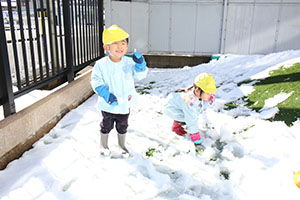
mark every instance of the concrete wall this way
{"type": "Point", "coordinates": [19, 131]}
{"type": "Point", "coordinates": [174, 61]}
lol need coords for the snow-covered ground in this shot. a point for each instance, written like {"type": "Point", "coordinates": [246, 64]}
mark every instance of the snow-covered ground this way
{"type": "Point", "coordinates": [247, 157]}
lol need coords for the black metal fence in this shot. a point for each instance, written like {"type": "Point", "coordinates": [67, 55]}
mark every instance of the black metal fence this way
{"type": "Point", "coordinates": [45, 40]}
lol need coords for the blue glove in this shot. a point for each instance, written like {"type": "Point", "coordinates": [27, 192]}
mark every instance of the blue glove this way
{"type": "Point", "coordinates": [110, 98]}
{"type": "Point", "coordinates": [138, 58]}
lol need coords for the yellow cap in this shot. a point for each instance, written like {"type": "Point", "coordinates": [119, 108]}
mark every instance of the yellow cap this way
{"type": "Point", "coordinates": [113, 34]}
{"type": "Point", "coordinates": [297, 179]}
{"type": "Point", "coordinates": [206, 82]}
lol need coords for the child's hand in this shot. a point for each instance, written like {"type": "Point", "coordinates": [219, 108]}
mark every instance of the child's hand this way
{"type": "Point", "coordinates": [140, 61]}
{"type": "Point", "coordinates": [103, 92]}
{"type": "Point", "coordinates": [196, 138]}
{"type": "Point", "coordinates": [112, 100]}
{"type": "Point", "coordinates": [199, 148]}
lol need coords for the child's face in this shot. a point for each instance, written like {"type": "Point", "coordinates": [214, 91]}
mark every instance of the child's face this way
{"type": "Point", "coordinates": [204, 96]}
{"type": "Point", "coordinates": [117, 50]}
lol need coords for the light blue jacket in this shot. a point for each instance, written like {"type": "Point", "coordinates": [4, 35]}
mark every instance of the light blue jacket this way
{"type": "Point", "coordinates": [185, 107]}
{"type": "Point", "coordinates": [119, 77]}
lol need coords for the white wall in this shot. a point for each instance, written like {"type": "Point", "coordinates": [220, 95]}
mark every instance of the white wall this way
{"type": "Point", "coordinates": [205, 27]}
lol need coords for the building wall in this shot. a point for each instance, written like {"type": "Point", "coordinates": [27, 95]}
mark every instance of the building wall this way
{"type": "Point", "coordinates": [206, 27]}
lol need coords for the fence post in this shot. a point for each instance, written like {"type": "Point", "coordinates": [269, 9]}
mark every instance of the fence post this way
{"type": "Point", "coordinates": [100, 13]}
{"type": "Point", "coordinates": [6, 92]}
{"type": "Point", "coordinates": [68, 40]}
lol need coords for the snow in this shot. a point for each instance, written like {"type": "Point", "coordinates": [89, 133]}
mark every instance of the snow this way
{"type": "Point", "coordinates": [278, 98]}
{"type": "Point", "coordinates": [246, 156]}
{"type": "Point", "coordinates": [26, 100]}
{"type": "Point", "coordinates": [269, 110]}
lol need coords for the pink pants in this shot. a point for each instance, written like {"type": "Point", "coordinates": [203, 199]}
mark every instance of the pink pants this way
{"type": "Point", "coordinates": [178, 129]}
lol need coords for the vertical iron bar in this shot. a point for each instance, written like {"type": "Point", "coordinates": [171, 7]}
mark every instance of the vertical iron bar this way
{"type": "Point", "coordinates": [81, 30]}
{"type": "Point", "coordinates": [82, 33]}
{"type": "Point", "coordinates": [23, 42]}
{"type": "Point", "coordinates": [55, 38]}
{"type": "Point", "coordinates": [94, 28]}
{"type": "Point", "coordinates": [61, 36]}
{"type": "Point", "coordinates": [50, 37]}
{"type": "Point", "coordinates": [14, 45]}
{"type": "Point", "coordinates": [45, 46]}
{"type": "Point", "coordinates": [77, 34]}
{"type": "Point", "coordinates": [30, 40]}
{"type": "Point", "coordinates": [88, 30]}
{"type": "Point", "coordinates": [68, 40]}
{"type": "Point", "coordinates": [98, 38]}
{"type": "Point", "coordinates": [91, 30]}
{"type": "Point", "coordinates": [85, 33]}
{"type": "Point", "coordinates": [38, 40]}
{"type": "Point", "coordinates": [73, 33]}
{"type": "Point", "coordinates": [6, 91]}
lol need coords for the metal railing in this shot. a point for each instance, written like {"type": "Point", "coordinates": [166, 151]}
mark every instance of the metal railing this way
{"type": "Point", "coordinates": [45, 40]}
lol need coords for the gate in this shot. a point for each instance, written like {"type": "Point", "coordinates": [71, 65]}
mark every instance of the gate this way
{"type": "Point", "coordinates": [45, 40]}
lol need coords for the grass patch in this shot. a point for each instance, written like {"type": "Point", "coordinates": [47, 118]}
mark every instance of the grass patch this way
{"type": "Point", "coordinates": [283, 80]}
{"type": "Point", "coordinates": [231, 105]}
{"type": "Point", "coordinates": [141, 89]}
{"type": "Point", "coordinates": [144, 89]}
{"type": "Point", "coordinates": [225, 174]}
{"type": "Point", "coordinates": [244, 130]}
{"type": "Point", "coordinates": [150, 152]}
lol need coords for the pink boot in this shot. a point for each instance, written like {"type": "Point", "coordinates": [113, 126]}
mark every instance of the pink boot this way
{"type": "Point", "coordinates": [178, 129]}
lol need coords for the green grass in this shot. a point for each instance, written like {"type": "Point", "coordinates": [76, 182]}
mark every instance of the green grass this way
{"type": "Point", "coordinates": [150, 152]}
{"type": "Point", "coordinates": [225, 174]}
{"type": "Point", "coordinates": [283, 80]}
{"type": "Point", "coordinates": [144, 89]}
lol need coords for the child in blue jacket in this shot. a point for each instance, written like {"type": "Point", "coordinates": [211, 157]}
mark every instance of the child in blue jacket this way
{"type": "Point", "coordinates": [113, 80]}
{"type": "Point", "coordinates": [184, 107]}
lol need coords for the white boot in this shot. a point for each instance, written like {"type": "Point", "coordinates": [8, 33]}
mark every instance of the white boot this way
{"type": "Point", "coordinates": [121, 141]}
{"type": "Point", "coordinates": [104, 150]}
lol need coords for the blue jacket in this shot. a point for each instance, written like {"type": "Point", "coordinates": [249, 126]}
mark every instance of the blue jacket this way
{"type": "Point", "coordinates": [185, 107]}
{"type": "Point", "coordinates": [119, 77]}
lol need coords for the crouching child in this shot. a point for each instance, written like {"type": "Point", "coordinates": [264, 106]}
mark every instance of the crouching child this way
{"type": "Point", "coordinates": [185, 105]}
